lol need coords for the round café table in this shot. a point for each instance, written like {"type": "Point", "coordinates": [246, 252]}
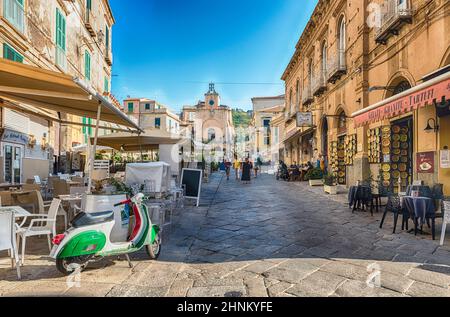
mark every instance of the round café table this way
{"type": "Point", "coordinates": [420, 209]}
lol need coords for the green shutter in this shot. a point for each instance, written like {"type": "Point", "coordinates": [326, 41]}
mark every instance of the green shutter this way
{"type": "Point", "coordinates": [90, 128]}
{"type": "Point", "coordinates": [84, 125]}
{"type": "Point", "coordinates": [130, 107]}
{"type": "Point", "coordinates": [87, 65]}
{"type": "Point", "coordinates": [89, 4]}
{"type": "Point", "coordinates": [107, 38]}
{"type": "Point", "coordinates": [106, 85]}
{"type": "Point", "coordinates": [60, 30]}
{"type": "Point", "coordinates": [11, 54]}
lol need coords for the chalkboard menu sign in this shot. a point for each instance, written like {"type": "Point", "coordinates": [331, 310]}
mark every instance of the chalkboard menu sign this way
{"type": "Point", "coordinates": [191, 179]}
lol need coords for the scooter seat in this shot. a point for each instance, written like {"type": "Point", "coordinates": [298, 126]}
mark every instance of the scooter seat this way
{"type": "Point", "coordinates": [88, 219]}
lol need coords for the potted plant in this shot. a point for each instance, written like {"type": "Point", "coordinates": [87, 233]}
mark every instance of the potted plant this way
{"type": "Point", "coordinates": [315, 177]}
{"type": "Point", "coordinates": [330, 184]}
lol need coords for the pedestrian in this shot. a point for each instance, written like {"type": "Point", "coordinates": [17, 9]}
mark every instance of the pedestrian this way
{"type": "Point", "coordinates": [237, 167]}
{"type": "Point", "coordinates": [246, 171]}
{"type": "Point", "coordinates": [227, 169]}
{"type": "Point", "coordinates": [255, 168]}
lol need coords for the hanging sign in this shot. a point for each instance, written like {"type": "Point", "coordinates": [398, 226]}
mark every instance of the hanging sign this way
{"type": "Point", "coordinates": [445, 159]}
{"type": "Point", "coordinates": [425, 162]}
{"type": "Point", "coordinates": [304, 119]}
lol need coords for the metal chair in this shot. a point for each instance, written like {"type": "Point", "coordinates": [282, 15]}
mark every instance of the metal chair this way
{"type": "Point", "coordinates": [393, 205]}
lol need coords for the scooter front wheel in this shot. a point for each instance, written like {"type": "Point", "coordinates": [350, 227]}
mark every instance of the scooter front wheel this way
{"type": "Point", "coordinates": [154, 249]}
{"type": "Point", "coordinates": [68, 266]}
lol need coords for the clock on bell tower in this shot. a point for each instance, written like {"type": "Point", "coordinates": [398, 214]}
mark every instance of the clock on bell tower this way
{"type": "Point", "coordinates": [212, 98]}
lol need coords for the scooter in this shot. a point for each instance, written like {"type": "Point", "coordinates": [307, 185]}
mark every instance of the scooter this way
{"type": "Point", "coordinates": [88, 239]}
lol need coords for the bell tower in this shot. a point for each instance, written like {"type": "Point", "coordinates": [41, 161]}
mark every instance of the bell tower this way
{"type": "Point", "coordinates": [212, 98]}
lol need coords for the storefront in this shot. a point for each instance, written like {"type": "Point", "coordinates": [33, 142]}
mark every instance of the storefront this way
{"type": "Point", "coordinates": [401, 141]}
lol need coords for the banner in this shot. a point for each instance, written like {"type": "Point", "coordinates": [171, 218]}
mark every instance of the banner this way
{"type": "Point", "coordinates": [304, 119]}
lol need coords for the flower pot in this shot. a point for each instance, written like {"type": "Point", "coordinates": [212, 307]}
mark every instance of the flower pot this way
{"type": "Point", "coordinates": [315, 182]}
{"type": "Point", "coordinates": [332, 190]}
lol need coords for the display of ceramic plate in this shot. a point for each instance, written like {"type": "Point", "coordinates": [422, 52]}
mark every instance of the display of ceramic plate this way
{"type": "Point", "coordinates": [386, 176]}
{"type": "Point", "coordinates": [404, 130]}
{"type": "Point", "coordinates": [386, 142]}
{"type": "Point", "coordinates": [396, 129]}
{"type": "Point", "coordinates": [369, 133]}
{"type": "Point", "coordinates": [394, 166]}
{"type": "Point", "coordinates": [405, 145]}
{"type": "Point", "coordinates": [396, 152]}
{"type": "Point", "coordinates": [386, 150]}
{"type": "Point", "coordinates": [396, 137]}
{"type": "Point", "coordinates": [404, 153]}
{"type": "Point", "coordinates": [377, 132]}
{"type": "Point", "coordinates": [341, 146]}
{"type": "Point", "coordinates": [402, 167]}
{"type": "Point", "coordinates": [404, 159]}
{"type": "Point", "coordinates": [386, 183]}
{"type": "Point", "coordinates": [404, 175]}
{"type": "Point", "coordinates": [386, 167]}
{"type": "Point", "coordinates": [341, 180]}
{"type": "Point", "coordinates": [386, 129]}
{"type": "Point", "coordinates": [395, 174]}
{"type": "Point", "coordinates": [403, 138]}
{"type": "Point", "coordinates": [395, 158]}
{"type": "Point", "coordinates": [386, 136]}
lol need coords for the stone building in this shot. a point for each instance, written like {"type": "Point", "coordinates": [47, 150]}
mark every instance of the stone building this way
{"type": "Point", "coordinates": [72, 37]}
{"type": "Point", "coordinates": [211, 128]}
{"type": "Point", "coordinates": [356, 56]}
{"type": "Point", "coordinates": [265, 109]}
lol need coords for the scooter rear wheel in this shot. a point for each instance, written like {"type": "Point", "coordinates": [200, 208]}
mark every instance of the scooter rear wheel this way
{"type": "Point", "coordinates": [68, 266]}
{"type": "Point", "coordinates": [154, 249]}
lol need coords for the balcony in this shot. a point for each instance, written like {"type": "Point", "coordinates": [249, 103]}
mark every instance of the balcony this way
{"type": "Point", "coordinates": [307, 97]}
{"type": "Point", "coordinates": [108, 57]}
{"type": "Point", "coordinates": [88, 22]}
{"type": "Point", "coordinates": [337, 66]}
{"type": "Point", "coordinates": [319, 83]}
{"type": "Point", "coordinates": [14, 13]}
{"type": "Point", "coordinates": [61, 58]}
{"type": "Point", "coordinates": [393, 17]}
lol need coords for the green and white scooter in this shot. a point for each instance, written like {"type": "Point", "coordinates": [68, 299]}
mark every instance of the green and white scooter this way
{"type": "Point", "coordinates": [88, 240]}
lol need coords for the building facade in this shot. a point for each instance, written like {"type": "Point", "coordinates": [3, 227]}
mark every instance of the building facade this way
{"type": "Point", "coordinates": [265, 109]}
{"type": "Point", "coordinates": [72, 37]}
{"type": "Point", "coordinates": [211, 127]}
{"type": "Point", "coordinates": [353, 64]}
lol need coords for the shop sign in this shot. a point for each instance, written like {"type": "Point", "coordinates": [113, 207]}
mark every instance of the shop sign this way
{"type": "Point", "coordinates": [425, 162]}
{"type": "Point", "coordinates": [404, 104]}
{"type": "Point", "coordinates": [445, 159]}
{"type": "Point", "coordinates": [304, 119]}
{"type": "Point", "coordinates": [15, 137]}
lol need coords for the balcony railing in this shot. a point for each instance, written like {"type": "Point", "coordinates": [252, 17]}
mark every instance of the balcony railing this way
{"type": "Point", "coordinates": [14, 13]}
{"type": "Point", "coordinates": [307, 97]}
{"type": "Point", "coordinates": [61, 58]}
{"type": "Point", "coordinates": [337, 66]}
{"type": "Point", "coordinates": [319, 83]}
{"type": "Point", "coordinates": [88, 22]}
{"type": "Point", "coordinates": [393, 16]}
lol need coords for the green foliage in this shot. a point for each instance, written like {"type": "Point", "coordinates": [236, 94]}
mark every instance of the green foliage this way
{"type": "Point", "coordinates": [120, 186]}
{"type": "Point", "coordinates": [241, 118]}
{"type": "Point", "coordinates": [314, 174]}
{"type": "Point", "coordinates": [330, 180]}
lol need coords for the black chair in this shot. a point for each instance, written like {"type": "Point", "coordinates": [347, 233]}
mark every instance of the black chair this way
{"type": "Point", "coordinates": [393, 205]}
{"type": "Point", "coordinates": [363, 198]}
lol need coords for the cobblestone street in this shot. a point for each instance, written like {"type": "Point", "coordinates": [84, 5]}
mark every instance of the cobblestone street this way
{"type": "Point", "coordinates": [265, 239]}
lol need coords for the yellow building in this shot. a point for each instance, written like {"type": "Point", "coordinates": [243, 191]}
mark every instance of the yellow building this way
{"type": "Point", "coordinates": [72, 37]}
{"type": "Point", "coordinates": [360, 66]}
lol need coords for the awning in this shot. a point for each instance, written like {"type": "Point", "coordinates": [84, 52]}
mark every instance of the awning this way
{"type": "Point", "coordinates": [298, 133]}
{"type": "Point", "coordinates": [84, 148]}
{"type": "Point", "coordinates": [49, 90]}
{"type": "Point", "coordinates": [436, 90]}
{"type": "Point", "coordinates": [131, 142]}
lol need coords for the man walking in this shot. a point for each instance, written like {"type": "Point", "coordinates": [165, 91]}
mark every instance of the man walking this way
{"type": "Point", "coordinates": [237, 167]}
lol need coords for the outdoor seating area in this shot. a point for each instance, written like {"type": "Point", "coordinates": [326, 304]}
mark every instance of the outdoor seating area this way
{"type": "Point", "coordinates": [419, 204]}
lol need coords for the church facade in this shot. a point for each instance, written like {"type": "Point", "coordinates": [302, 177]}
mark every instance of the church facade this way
{"type": "Point", "coordinates": [211, 129]}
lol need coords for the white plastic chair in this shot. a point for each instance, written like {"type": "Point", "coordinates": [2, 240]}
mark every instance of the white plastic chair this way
{"type": "Point", "coordinates": [44, 225]}
{"type": "Point", "coordinates": [445, 220]}
{"type": "Point", "coordinates": [8, 238]}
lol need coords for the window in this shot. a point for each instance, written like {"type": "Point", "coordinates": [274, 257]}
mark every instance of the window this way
{"type": "Point", "coordinates": [106, 84]}
{"type": "Point", "coordinates": [276, 136]}
{"type": "Point", "coordinates": [147, 106]}
{"type": "Point", "coordinates": [89, 5]}
{"type": "Point", "coordinates": [107, 39]}
{"type": "Point", "coordinates": [130, 107]}
{"type": "Point", "coordinates": [87, 65]}
{"type": "Point", "coordinates": [342, 41]}
{"type": "Point", "coordinates": [297, 99]}
{"type": "Point", "coordinates": [211, 134]}
{"type": "Point", "coordinates": [158, 123]}
{"type": "Point", "coordinates": [324, 58]}
{"type": "Point", "coordinates": [14, 13]}
{"type": "Point", "coordinates": [11, 54]}
{"type": "Point", "coordinates": [266, 123]}
{"type": "Point", "coordinates": [60, 39]}
{"type": "Point", "coordinates": [291, 103]}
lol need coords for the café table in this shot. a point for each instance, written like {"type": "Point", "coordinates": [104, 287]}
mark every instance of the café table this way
{"type": "Point", "coordinates": [420, 209]}
{"type": "Point", "coordinates": [19, 213]}
{"type": "Point", "coordinates": [6, 186]}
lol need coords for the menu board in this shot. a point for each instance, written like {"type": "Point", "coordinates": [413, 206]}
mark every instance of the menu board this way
{"type": "Point", "coordinates": [445, 159]}
{"type": "Point", "coordinates": [425, 162]}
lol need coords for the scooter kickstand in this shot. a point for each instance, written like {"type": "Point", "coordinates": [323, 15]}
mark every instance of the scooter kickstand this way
{"type": "Point", "coordinates": [129, 261]}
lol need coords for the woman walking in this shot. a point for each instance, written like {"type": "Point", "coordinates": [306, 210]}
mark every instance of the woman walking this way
{"type": "Point", "coordinates": [246, 171]}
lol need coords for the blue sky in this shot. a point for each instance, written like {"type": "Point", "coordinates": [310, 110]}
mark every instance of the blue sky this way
{"type": "Point", "coordinates": [169, 50]}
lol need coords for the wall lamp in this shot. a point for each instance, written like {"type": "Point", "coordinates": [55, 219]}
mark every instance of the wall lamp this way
{"type": "Point", "coordinates": [375, 88]}
{"type": "Point", "coordinates": [432, 127]}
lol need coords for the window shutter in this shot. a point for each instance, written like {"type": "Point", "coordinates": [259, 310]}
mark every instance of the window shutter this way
{"type": "Point", "coordinates": [87, 65]}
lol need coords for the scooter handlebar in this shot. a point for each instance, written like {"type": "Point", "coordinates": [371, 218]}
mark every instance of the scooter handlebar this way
{"type": "Point", "coordinates": [123, 203]}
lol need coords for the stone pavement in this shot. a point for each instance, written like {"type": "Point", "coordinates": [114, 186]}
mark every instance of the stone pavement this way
{"type": "Point", "coordinates": [265, 239]}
